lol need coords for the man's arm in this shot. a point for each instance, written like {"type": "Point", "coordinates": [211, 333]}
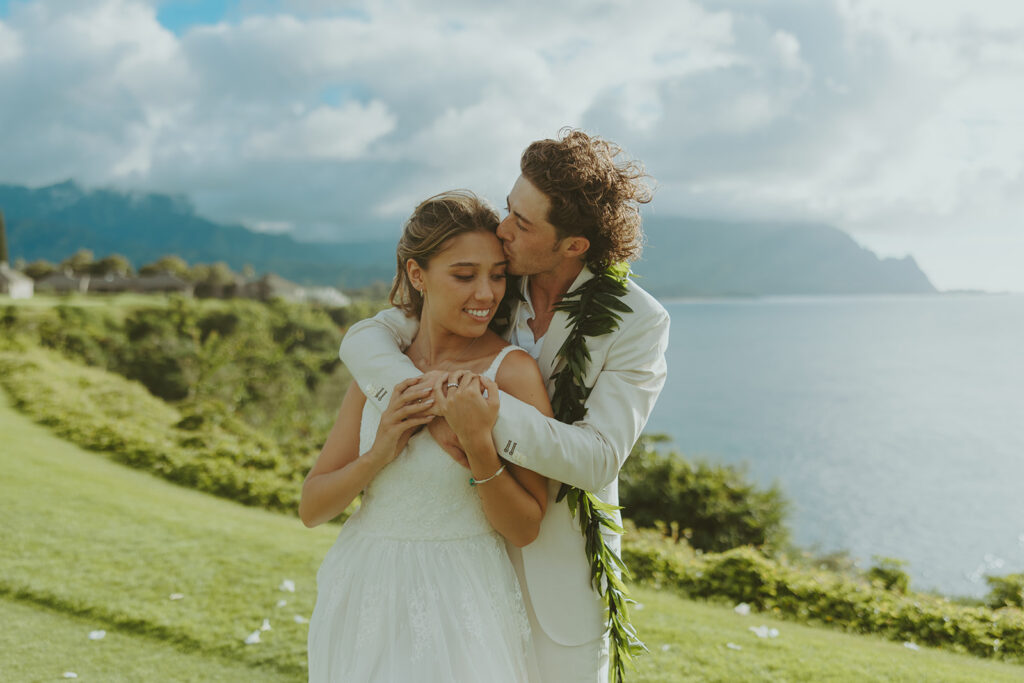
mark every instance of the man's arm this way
{"type": "Point", "coordinates": [372, 352]}
{"type": "Point", "coordinates": [588, 454]}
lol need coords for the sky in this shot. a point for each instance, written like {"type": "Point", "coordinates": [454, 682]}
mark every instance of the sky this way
{"type": "Point", "coordinates": [900, 122]}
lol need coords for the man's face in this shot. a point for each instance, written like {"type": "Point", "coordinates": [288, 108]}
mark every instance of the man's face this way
{"type": "Point", "coordinates": [530, 242]}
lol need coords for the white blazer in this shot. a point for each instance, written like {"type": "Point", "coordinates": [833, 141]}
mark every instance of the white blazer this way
{"type": "Point", "coordinates": [627, 371]}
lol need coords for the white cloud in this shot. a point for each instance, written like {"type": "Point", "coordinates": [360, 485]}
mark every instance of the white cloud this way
{"type": "Point", "coordinates": [342, 133]}
{"type": "Point", "coordinates": [10, 45]}
{"type": "Point", "coordinates": [895, 120]}
{"type": "Point", "coordinates": [788, 49]}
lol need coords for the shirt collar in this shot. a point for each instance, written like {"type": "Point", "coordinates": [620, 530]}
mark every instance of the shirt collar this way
{"type": "Point", "coordinates": [527, 305]}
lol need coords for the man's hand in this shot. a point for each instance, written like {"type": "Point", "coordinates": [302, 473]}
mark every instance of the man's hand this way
{"type": "Point", "coordinates": [460, 399]}
{"type": "Point", "coordinates": [446, 439]}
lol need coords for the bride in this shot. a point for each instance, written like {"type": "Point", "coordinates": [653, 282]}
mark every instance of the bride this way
{"type": "Point", "coordinates": [418, 585]}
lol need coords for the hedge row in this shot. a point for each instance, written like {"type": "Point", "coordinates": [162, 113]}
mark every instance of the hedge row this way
{"type": "Point", "coordinates": [104, 412]}
{"type": "Point", "coordinates": [808, 595]}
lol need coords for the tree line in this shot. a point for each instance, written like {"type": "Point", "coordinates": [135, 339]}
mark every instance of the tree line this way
{"type": "Point", "coordinates": [83, 262]}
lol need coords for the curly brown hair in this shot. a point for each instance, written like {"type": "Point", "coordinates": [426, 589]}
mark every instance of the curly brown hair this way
{"type": "Point", "coordinates": [426, 233]}
{"type": "Point", "coordinates": [592, 195]}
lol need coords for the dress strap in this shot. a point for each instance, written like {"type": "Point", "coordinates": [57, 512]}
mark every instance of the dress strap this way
{"type": "Point", "coordinates": [492, 370]}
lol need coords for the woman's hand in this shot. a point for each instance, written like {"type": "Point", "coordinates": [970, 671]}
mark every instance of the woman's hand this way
{"type": "Point", "coordinates": [460, 399]}
{"type": "Point", "coordinates": [426, 382]}
{"type": "Point", "coordinates": [407, 411]}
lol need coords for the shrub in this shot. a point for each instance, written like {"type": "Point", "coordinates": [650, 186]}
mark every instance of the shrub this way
{"type": "Point", "coordinates": [265, 362]}
{"type": "Point", "coordinates": [715, 506]}
{"type": "Point", "coordinates": [205, 448]}
{"type": "Point", "coordinates": [1005, 591]}
{"type": "Point", "coordinates": [346, 316]}
{"type": "Point", "coordinates": [888, 571]}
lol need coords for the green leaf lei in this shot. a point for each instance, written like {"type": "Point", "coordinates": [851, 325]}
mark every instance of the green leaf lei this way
{"type": "Point", "coordinates": [594, 309]}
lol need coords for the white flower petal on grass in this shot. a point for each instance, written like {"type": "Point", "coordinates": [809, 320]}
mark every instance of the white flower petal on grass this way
{"type": "Point", "coordinates": [253, 638]}
{"type": "Point", "coordinates": [733, 646]}
{"type": "Point", "coordinates": [70, 674]}
{"type": "Point", "coordinates": [282, 603]}
{"type": "Point", "coordinates": [287, 585]}
{"type": "Point", "coordinates": [97, 635]}
{"type": "Point", "coordinates": [666, 648]}
{"type": "Point", "coordinates": [175, 596]}
{"type": "Point", "coordinates": [299, 619]}
{"type": "Point", "coordinates": [266, 625]}
{"type": "Point", "coordinates": [743, 609]}
{"type": "Point", "coordinates": [765, 632]}
{"type": "Point", "coordinates": [911, 646]}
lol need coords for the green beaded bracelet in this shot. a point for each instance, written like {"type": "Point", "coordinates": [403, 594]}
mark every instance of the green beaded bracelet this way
{"type": "Point", "coordinates": [474, 482]}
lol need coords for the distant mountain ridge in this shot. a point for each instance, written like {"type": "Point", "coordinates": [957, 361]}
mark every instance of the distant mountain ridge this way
{"type": "Point", "coordinates": [683, 257]}
{"type": "Point", "coordinates": [53, 222]}
{"type": "Point", "coordinates": [693, 257]}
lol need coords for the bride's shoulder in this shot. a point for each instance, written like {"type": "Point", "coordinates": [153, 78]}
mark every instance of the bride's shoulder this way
{"type": "Point", "coordinates": [519, 376]}
{"type": "Point", "coordinates": [514, 359]}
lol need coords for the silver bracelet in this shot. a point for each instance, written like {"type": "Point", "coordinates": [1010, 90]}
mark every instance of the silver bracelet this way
{"type": "Point", "coordinates": [474, 482]}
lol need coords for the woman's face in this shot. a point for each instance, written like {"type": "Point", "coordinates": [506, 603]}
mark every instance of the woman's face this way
{"type": "Point", "coordinates": [463, 283]}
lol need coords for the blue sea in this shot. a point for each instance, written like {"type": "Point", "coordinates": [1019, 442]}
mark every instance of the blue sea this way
{"type": "Point", "coordinates": [894, 425]}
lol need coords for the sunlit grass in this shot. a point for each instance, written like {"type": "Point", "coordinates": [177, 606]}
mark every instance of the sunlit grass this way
{"type": "Point", "coordinates": [85, 536]}
{"type": "Point", "coordinates": [40, 644]}
{"type": "Point", "coordinates": [689, 641]}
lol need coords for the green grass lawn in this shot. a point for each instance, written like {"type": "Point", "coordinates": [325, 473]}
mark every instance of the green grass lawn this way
{"type": "Point", "coordinates": [689, 641]}
{"type": "Point", "coordinates": [40, 644]}
{"type": "Point", "coordinates": [87, 537]}
{"type": "Point", "coordinates": [89, 544]}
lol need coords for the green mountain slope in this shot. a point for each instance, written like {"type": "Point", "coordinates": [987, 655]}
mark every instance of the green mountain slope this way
{"type": "Point", "coordinates": [684, 256]}
{"type": "Point", "coordinates": [53, 222]}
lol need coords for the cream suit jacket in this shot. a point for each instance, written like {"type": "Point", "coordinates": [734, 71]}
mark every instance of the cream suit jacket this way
{"type": "Point", "coordinates": [627, 372]}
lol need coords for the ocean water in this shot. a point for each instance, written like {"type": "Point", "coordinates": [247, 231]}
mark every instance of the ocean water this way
{"type": "Point", "coordinates": [894, 425]}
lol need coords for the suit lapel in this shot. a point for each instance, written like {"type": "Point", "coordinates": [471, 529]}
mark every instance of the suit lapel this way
{"type": "Point", "coordinates": [558, 330]}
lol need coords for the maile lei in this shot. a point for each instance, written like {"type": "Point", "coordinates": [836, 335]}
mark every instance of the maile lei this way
{"type": "Point", "coordinates": [594, 309]}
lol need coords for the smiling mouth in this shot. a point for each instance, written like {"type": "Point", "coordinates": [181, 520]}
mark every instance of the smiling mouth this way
{"type": "Point", "coordinates": [479, 313]}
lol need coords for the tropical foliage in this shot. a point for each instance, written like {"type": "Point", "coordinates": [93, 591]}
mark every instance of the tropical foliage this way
{"type": "Point", "coordinates": [715, 506]}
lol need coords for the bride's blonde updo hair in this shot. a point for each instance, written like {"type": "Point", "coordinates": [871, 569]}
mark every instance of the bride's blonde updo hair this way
{"type": "Point", "coordinates": [435, 221]}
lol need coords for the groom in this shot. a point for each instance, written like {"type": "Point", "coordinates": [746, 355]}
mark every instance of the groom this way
{"type": "Point", "coordinates": [574, 208]}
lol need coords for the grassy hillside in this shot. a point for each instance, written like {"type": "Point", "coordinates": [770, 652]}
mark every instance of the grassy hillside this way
{"type": "Point", "coordinates": [42, 644]}
{"type": "Point", "coordinates": [90, 544]}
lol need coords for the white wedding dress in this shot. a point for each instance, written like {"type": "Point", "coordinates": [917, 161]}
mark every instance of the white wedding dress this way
{"type": "Point", "coordinates": [418, 586]}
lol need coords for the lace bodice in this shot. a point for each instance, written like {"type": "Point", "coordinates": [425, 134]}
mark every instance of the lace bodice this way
{"type": "Point", "coordinates": [423, 493]}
